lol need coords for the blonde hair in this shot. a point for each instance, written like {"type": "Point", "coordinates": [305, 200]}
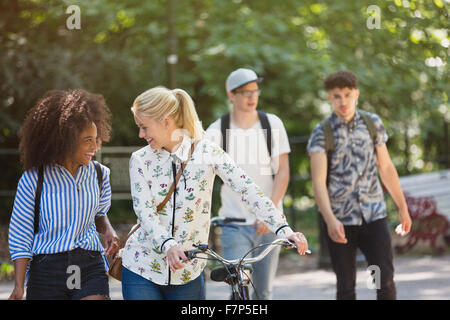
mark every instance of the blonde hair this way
{"type": "Point", "coordinates": [159, 103]}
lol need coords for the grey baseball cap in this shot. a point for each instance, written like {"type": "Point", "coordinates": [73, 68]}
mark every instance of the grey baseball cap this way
{"type": "Point", "coordinates": [240, 77]}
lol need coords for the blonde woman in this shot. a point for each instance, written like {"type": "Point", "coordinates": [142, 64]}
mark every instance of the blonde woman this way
{"type": "Point", "coordinates": [154, 264]}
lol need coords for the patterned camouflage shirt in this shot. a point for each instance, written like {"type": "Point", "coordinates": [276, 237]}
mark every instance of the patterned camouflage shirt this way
{"type": "Point", "coordinates": [354, 188]}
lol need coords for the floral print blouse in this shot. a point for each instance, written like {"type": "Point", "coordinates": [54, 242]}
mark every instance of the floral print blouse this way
{"type": "Point", "coordinates": [185, 219]}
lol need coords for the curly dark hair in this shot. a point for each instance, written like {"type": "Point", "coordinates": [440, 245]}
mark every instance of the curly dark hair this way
{"type": "Point", "coordinates": [51, 128]}
{"type": "Point", "coordinates": [341, 79]}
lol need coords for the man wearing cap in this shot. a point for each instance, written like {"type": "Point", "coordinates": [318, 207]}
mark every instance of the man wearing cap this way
{"type": "Point", "coordinates": [258, 142]}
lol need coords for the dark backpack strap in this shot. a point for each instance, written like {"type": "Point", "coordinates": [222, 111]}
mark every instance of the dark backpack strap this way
{"type": "Point", "coordinates": [37, 198]}
{"type": "Point", "coordinates": [98, 168]}
{"type": "Point", "coordinates": [328, 134]}
{"type": "Point", "coordinates": [329, 142]}
{"type": "Point", "coordinates": [224, 126]}
{"type": "Point", "coordinates": [369, 124]}
{"type": "Point", "coordinates": [266, 126]}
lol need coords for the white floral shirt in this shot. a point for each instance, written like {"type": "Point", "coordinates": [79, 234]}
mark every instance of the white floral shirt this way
{"type": "Point", "coordinates": [185, 219]}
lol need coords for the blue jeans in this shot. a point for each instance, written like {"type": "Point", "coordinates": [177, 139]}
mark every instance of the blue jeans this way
{"type": "Point", "coordinates": [236, 242]}
{"type": "Point", "coordinates": [135, 287]}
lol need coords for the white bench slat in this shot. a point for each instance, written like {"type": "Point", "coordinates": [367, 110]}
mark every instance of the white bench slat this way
{"type": "Point", "coordinates": [438, 175]}
{"type": "Point", "coordinates": [434, 184]}
{"type": "Point", "coordinates": [425, 185]}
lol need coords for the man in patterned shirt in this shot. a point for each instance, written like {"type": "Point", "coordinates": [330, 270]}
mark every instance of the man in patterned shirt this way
{"type": "Point", "coordinates": [347, 189]}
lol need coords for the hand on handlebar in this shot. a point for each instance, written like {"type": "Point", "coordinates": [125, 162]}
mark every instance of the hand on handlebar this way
{"type": "Point", "coordinates": [300, 242]}
{"type": "Point", "coordinates": [175, 258]}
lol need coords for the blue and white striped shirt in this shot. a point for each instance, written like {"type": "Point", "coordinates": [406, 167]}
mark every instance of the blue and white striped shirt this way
{"type": "Point", "coordinates": [69, 206]}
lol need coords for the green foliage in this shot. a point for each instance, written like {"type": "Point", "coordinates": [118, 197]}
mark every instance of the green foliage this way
{"type": "Point", "coordinates": [6, 271]}
{"type": "Point", "coordinates": [122, 48]}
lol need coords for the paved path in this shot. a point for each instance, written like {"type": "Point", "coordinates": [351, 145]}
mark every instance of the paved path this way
{"type": "Point", "coordinates": [417, 278]}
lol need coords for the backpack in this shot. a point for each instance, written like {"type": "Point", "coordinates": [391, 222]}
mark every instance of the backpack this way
{"type": "Point", "coordinates": [40, 182]}
{"type": "Point", "coordinates": [329, 136]}
{"type": "Point", "coordinates": [225, 124]}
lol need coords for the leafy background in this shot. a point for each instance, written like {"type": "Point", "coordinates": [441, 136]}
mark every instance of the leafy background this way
{"type": "Point", "coordinates": [122, 49]}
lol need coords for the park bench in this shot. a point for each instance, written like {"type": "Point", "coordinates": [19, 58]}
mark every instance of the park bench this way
{"type": "Point", "coordinates": [428, 199]}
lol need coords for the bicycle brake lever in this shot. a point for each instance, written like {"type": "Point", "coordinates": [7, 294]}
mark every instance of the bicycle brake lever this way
{"type": "Point", "coordinates": [199, 248]}
{"type": "Point", "coordinates": [189, 255]}
{"type": "Point", "coordinates": [202, 247]}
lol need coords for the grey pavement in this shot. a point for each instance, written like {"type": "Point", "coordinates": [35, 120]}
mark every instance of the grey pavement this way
{"type": "Point", "coordinates": [417, 278]}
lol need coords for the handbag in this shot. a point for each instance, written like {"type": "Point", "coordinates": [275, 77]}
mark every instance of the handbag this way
{"type": "Point", "coordinates": [115, 269]}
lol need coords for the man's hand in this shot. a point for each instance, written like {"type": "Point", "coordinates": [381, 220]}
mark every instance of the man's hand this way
{"type": "Point", "coordinates": [405, 223]}
{"type": "Point", "coordinates": [336, 231]}
{"type": "Point", "coordinates": [389, 177]}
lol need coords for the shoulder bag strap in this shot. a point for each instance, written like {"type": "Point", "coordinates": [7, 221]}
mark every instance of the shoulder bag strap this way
{"type": "Point", "coordinates": [163, 203]}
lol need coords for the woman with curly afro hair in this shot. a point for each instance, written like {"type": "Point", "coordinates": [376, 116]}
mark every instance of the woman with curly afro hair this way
{"type": "Point", "coordinates": [58, 230]}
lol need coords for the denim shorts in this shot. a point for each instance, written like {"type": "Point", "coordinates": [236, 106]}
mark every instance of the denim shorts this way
{"type": "Point", "coordinates": [70, 275]}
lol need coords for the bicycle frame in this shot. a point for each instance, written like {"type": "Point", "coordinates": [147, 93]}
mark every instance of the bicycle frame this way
{"type": "Point", "coordinates": [235, 275]}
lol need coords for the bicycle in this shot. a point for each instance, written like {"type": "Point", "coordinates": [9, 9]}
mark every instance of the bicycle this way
{"type": "Point", "coordinates": [233, 272]}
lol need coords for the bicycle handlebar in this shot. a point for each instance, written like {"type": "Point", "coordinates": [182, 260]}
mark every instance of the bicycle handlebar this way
{"type": "Point", "coordinates": [203, 248]}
